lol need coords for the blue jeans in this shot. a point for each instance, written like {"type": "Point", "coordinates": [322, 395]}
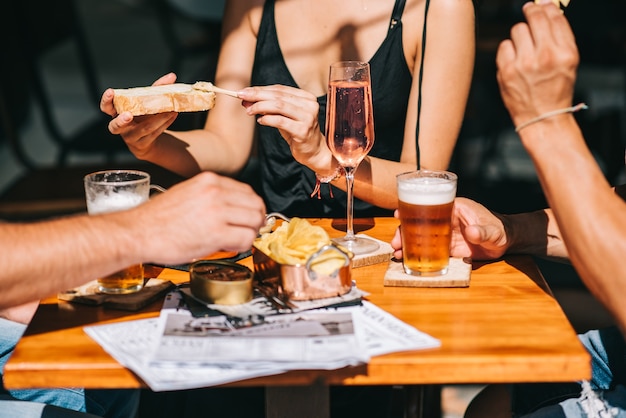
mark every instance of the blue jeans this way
{"type": "Point", "coordinates": [106, 403]}
{"type": "Point", "coordinates": [563, 400]}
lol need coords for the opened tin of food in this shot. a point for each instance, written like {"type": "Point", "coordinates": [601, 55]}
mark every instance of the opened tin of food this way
{"type": "Point", "coordinates": [220, 282]}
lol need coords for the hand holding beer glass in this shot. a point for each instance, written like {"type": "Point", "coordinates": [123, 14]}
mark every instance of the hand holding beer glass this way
{"type": "Point", "coordinates": [109, 191]}
{"type": "Point", "coordinates": [426, 200]}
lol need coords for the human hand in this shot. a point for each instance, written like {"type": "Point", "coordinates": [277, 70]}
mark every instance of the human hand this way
{"type": "Point", "coordinates": [294, 112]}
{"type": "Point", "coordinates": [537, 66]}
{"type": "Point", "coordinates": [138, 132]}
{"type": "Point", "coordinates": [476, 232]}
{"type": "Point", "coordinates": [199, 216]}
{"type": "Point", "coordinates": [396, 241]}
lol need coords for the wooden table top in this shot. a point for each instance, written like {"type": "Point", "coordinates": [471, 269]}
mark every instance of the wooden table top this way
{"type": "Point", "coordinates": [505, 327]}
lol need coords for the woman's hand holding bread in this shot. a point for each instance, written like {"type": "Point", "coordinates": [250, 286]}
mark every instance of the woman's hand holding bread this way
{"type": "Point", "coordinates": [139, 132]}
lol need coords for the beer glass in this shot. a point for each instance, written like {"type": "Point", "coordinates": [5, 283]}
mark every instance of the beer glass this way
{"type": "Point", "coordinates": [110, 191]}
{"type": "Point", "coordinates": [425, 203]}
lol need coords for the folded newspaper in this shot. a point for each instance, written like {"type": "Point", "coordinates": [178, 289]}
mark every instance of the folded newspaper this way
{"type": "Point", "coordinates": [180, 351]}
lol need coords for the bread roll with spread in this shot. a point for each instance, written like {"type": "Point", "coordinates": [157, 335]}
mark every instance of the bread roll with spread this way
{"type": "Point", "coordinates": [176, 97]}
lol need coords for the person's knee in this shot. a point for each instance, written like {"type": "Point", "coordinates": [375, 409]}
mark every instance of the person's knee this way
{"type": "Point", "coordinates": [493, 401]}
{"type": "Point", "coordinates": [68, 398]}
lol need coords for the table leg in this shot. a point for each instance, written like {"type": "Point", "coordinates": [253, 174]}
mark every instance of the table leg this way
{"type": "Point", "coordinates": [311, 401]}
{"type": "Point", "coordinates": [422, 401]}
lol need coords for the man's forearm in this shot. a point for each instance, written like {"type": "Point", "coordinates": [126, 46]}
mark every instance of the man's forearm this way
{"type": "Point", "coordinates": [41, 259]}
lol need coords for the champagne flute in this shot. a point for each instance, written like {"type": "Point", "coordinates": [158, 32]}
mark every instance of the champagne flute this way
{"type": "Point", "coordinates": [350, 133]}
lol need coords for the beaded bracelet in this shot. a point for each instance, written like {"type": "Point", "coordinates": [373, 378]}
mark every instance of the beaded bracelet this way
{"type": "Point", "coordinates": [339, 171]}
{"type": "Point", "coordinates": [579, 106]}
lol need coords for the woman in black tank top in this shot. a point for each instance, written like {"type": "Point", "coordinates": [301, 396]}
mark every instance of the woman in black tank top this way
{"type": "Point", "coordinates": [284, 48]}
{"type": "Point", "coordinates": [286, 184]}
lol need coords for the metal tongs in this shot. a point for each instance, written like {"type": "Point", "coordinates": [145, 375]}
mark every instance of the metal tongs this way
{"type": "Point", "coordinates": [278, 301]}
{"type": "Point", "coordinates": [270, 222]}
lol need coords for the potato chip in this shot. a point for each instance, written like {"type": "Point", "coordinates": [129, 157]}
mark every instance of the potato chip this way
{"type": "Point", "coordinates": [293, 242]}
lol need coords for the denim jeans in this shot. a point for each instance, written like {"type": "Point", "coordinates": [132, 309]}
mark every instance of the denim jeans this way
{"type": "Point", "coordinates": [10, 409]}
{"type": "Point", "coordinates": [106, 403]}
{"type": "Point", "coordinates": [607, 394]}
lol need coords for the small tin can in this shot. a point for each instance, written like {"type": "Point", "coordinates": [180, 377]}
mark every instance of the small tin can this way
{"type": "Point", "coordinates": [220, 282]}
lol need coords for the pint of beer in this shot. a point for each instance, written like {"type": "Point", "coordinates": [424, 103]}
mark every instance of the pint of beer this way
{"type": "Point", "coordinates": [110, 191]}
{"type": "Point", "coordinates": [426, 199]}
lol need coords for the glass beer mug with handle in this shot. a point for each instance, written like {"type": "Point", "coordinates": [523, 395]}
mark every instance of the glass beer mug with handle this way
{"type": "Point", "coordinates": [110, 191]}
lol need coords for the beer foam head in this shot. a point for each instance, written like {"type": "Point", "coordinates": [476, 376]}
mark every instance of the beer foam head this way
{"type": "Point", "coordinates": [426, 190]}
{"type": "Point", "coordinates": [111, 202]}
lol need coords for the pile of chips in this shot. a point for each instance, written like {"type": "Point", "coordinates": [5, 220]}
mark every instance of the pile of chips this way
{"type": "Point", "coordinates": [294, 242]}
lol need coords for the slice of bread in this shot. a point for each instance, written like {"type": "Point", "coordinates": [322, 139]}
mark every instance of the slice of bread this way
{"type": "Point", "coordinates": [177, 97]}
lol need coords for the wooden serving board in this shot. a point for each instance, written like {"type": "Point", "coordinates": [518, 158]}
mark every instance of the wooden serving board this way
{"type": "Point", "coordinates": [88, 294]}
{"type": "Point", "coordinates": [458, 275]}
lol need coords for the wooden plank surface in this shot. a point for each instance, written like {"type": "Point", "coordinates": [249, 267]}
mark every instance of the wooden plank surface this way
{"type": "Point", "coordinates": [504, 327]}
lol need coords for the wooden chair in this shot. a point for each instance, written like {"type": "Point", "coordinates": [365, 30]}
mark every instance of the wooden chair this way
{"type": "Point", "coordinates": [41, 28]}
{"type": "Point", "coordinates": [45, 192]}
{"type": "Point", "coordinates": [189, 33]}
{"type": "Point", "coordinates": [56, 189]}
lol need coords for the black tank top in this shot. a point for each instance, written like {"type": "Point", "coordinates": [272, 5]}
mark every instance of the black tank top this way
{"type": "Point", "coordinates": [286, 185]}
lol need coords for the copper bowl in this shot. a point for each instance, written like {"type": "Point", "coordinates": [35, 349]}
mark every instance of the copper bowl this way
{"type": "Point", "coordinates": [300, 281]}
{"type": "Point", "coordinates": [220, 282]}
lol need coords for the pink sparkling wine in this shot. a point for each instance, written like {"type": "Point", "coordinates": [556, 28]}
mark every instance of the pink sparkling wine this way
{"type": "Point", "coordinates": [349, 121]}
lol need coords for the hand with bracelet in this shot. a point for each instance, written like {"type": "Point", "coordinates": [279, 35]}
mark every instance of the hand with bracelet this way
{"type": "Point", "coordinates": [585, 223]}
{"type": "Point", "coordinates": [326, 179]}
{"type": "Point", "coordinates": [537, 72]}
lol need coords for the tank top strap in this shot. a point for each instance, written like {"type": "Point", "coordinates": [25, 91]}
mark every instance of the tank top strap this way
{"type": "Point", "coordinates": [268, 11]}
{"type": "Point", "coordinates": [396, 15]}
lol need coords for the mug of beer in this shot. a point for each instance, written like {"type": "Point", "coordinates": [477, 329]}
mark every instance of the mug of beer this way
{"type": "Point", "coordinates": [426, 199]}
{"type": "Point", "coordinates": [110, 191]}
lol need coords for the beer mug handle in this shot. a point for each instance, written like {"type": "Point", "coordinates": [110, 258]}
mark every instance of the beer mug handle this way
{"type": "Point", "coordinates": [158, 188]}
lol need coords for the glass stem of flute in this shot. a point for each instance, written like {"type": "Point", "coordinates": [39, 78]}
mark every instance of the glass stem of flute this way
{"type": "Point", "coordinates": [350, 209]}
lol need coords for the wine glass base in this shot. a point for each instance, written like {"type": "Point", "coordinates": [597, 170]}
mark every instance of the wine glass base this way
{"type": "Point", "coordinates": [357, 245]}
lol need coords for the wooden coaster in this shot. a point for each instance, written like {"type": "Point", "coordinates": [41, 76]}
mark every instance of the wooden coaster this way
{"type": "Point", "coordinates": [88, 294]}
{"type": "Point", "coordinates": [458, 275]}
{"type": "Point", "coordinates": [381, 255]}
